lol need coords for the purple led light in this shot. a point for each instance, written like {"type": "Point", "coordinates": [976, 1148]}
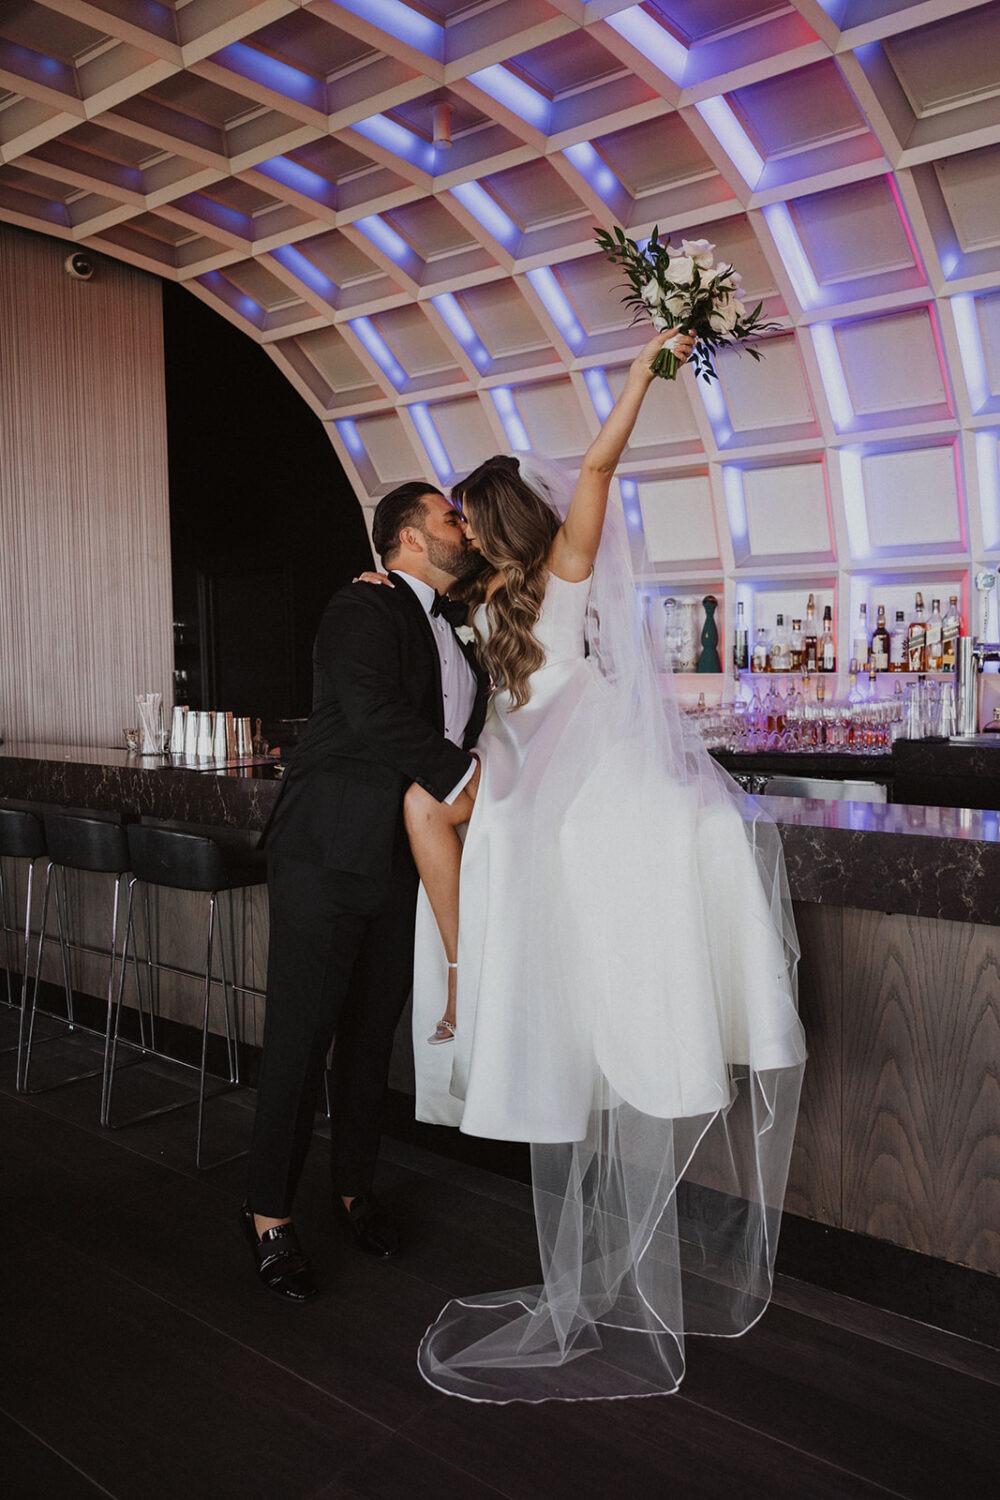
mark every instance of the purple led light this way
{"type": "Point", "coordinates": [514, 94]}
{"type": "Point", "coordinates": [796, 262]}
{"type": "Point", "coordinates": [970, 345]}
{"type": "Point", "coordinates": [732, 138]}
{"type": "Point", "coordinates": [513, 425]}
{"type": "Point", "coordinates": [488, 212]}
{"type": "Point", "coordinates": [630, 502]}
{"type": "Point", "coordinates": [379, 350]}
{"type": "Point", "coordinates": [385, 237]}
{"type": "Point", "coordinates": [451, 311]}
{"type": "Point", "coordinates": [652, 40]}
{"type": "Point", "coordinates": [301, 266]}
{"type": "Point", "coordinates": [593, 168]}
{"type": "Point", "coordinates": [431, 439]}
{"type": "Point", "coordinates": [600, 391]}
{"type": "Point", "coordinates": [391, 136]}
{"type": "Point", "coordinates": [300, 179]}
{"type": "Point", "coordinates": [559, 306]}
{"type": "Point", "coordinates": [271, 72]}
{"type": "Point", "coordinates": [351, 437]}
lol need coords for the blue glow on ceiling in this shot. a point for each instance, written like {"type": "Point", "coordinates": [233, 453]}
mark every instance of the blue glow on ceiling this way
{"type": "Point", "coordinates": [307, 272]}
{"type": "Point", "coordinates": [300, 179]}
{"type": "Point", "coordinates": [431, 439]}
{"type": "Point", "coordinates": [383, 235]}
{"type": "Point", "coordinates": [272, 73]}
{"type": "Point", "coordinates": [487, 211]}
{"type": "Point", "coordinates": [651, 40]}
{"type": "Point", "coordinates": [558, 305]}
{"type": "Point", "coordinates": [514, 94]}
{"type": "Point", "coordinates": [732, 138]}
{"type": "Point", "coordinates": [393, 137]}
{"type": "Point", "coordinates": [351, 437]}
{"type": "Point", "coordinates": [454, 315]}
{"type": "Point", "coordinates": [599, 391]}
{"type": "Point", "coordinates": [593, 169]}
{"type": "Point", "coordinates": [970, 343]}
{"type": "Point", "coordinates": [513, 425]}
{"type": "Point", "coordinates": [831, 370]}
{"type": "Point", "coordinates": [379, 351]}
{"type": "Point", "coordinates": [794, 258]}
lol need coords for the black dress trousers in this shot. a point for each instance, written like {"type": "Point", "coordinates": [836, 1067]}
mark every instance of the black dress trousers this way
{"type": "Point", "coordinates": [330, 970]}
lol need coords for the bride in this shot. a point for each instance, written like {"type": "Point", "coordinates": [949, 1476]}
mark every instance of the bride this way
{"type": "Point", "coordinates": [620, 987]}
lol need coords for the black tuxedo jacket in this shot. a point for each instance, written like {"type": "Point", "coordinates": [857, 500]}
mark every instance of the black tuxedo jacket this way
{"type": "Point", "coordinates": [377, 724]}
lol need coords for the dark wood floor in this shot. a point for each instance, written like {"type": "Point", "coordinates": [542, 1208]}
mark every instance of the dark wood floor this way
{"type": "Point", "coordinates": [142, 1360]}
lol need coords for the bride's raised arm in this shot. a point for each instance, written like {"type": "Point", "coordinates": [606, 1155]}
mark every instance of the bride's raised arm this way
{"type": "Point", "coordinates": [575, 544]}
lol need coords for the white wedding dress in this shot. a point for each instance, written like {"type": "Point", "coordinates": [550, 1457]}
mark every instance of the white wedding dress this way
{"type": "Point", "coordinates": [626, 1004]}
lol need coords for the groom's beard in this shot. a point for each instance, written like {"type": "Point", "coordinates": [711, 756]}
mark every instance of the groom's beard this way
{"type": "Point", "coordinates": [455, 558]}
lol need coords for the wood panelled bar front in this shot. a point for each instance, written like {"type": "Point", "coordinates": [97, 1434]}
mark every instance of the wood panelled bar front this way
{"type": "Point", "coordinates": [898, 912]}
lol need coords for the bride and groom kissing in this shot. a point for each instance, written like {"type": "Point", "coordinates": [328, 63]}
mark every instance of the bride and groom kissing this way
{"type": "Point", "coordinates": [624, 967]}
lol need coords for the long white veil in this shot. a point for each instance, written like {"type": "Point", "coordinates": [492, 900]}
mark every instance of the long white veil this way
{"type": "Point", "coordinates": [662, 1220]}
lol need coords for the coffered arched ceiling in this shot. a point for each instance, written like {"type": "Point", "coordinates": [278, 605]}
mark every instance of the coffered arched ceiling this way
{"type": "Point", "coordinates": [286, 161]}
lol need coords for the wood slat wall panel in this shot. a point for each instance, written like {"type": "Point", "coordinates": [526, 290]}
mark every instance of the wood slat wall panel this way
{"type": "Point", "coordinates": [85, 587]}
{"type": "Point", "coordinates": [815, 1174]}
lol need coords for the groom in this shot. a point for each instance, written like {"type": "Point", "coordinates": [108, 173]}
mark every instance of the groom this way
{"type": "Point", "coordinates": [397, 697]}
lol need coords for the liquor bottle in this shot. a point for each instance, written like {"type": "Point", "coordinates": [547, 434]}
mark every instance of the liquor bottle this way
{"type": "Point", "coordinates": [897, 644]}
{"type": "Point", "coordinates": [879, 658]}
{"type": "Point", "coordinates": [827, 645]}
{"type": "Point", "coordinates": [810, 656]}
{"type": "Point", "coordinates": [797, 646]}
{"type": "Point", "coordinates": [916, 638]}
{"type": "Point", "coordinates": [859, 645]}
{"type": "Point", "coordinates": [741, 648]}
{"type": "Point", "coordinates": [951, 628]}
{"type": "Point", "coordinates": [781, 648]}
{"type": "Point", "coordinates": [934, 644]}
{"type": "Point", "coordinates": [758, 659]}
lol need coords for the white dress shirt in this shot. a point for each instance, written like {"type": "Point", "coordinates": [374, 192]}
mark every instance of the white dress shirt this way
{"type": "Point", "coordinates": [458, 681]}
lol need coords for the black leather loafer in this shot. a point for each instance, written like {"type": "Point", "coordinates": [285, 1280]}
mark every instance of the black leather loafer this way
{"type": "Point", "coordinates": [373, 1227]}
{"type": "Point", "coordinates": [280, 1260]}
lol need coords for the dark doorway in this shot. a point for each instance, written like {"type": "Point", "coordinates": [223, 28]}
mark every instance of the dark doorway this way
{"type": "Point", "coordinates": [264, 524]}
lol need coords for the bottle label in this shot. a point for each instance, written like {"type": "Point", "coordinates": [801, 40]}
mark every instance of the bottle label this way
{"type": "Point", "coordinates": [879, 657]}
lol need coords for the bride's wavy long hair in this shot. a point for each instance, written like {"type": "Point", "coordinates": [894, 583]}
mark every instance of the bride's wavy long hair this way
{"type": "Point", "coordinates": [514, 529]}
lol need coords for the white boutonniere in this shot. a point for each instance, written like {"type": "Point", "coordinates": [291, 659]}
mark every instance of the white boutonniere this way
{"type": "Point", "coordinates": [466, 634]}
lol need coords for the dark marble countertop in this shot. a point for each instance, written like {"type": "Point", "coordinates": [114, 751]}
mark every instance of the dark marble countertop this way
{"type": "Point", "coordinates": [153, 786]}
{"type": "Point", "coordinates": [924, 861]}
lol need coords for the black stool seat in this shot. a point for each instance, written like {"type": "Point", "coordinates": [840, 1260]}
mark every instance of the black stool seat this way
{"type": "Point", "coordinates": [190, 861]}
{"type": "Point", "coordinates": [22, 834]}
{"type": "Point", "coordinates": [82, 843]}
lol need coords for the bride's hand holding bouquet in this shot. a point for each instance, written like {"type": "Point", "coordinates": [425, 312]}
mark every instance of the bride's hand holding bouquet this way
{"type": "Point", "coordinates": [682, 292]}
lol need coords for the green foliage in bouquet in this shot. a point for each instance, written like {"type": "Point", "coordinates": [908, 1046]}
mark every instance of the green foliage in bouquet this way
{"type": "Point", "coordinates": [685, 289]}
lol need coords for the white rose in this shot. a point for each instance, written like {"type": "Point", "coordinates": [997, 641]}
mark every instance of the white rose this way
{"type": "Point", "coordinates": [651, 292]}
{"type": "Point", "coordinates": [676, 307]}
{"type": "Point", "coordinates": [723, 318]}
{"type": "Point", "coordinates": [681, 270]}
{"type": "Point", "coordinates": [700, 252]}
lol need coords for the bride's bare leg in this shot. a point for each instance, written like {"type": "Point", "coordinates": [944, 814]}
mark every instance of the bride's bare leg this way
{"type": "Point", "coordinates": [432, 828]}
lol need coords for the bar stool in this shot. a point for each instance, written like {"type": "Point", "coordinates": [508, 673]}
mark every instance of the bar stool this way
{"type": "Point", "coordinates": [178, 860]}
{"type": "Point", "coordinates": [97, 846]}
{"type": "Point", "coordinates": [22, 836]}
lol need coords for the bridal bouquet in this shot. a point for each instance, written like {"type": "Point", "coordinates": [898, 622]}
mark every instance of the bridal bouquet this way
{"type": "Point", "coordinates": [685, 289]}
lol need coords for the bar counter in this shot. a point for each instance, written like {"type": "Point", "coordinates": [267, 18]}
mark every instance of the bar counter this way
{"type": "Point", "coordinates": [898, 916]}
{"type": "Point", "coordinates": [921, 861]}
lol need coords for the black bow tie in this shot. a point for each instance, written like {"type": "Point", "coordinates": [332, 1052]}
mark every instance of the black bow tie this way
{"type": "Point", "coordinates": [453, 612]}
